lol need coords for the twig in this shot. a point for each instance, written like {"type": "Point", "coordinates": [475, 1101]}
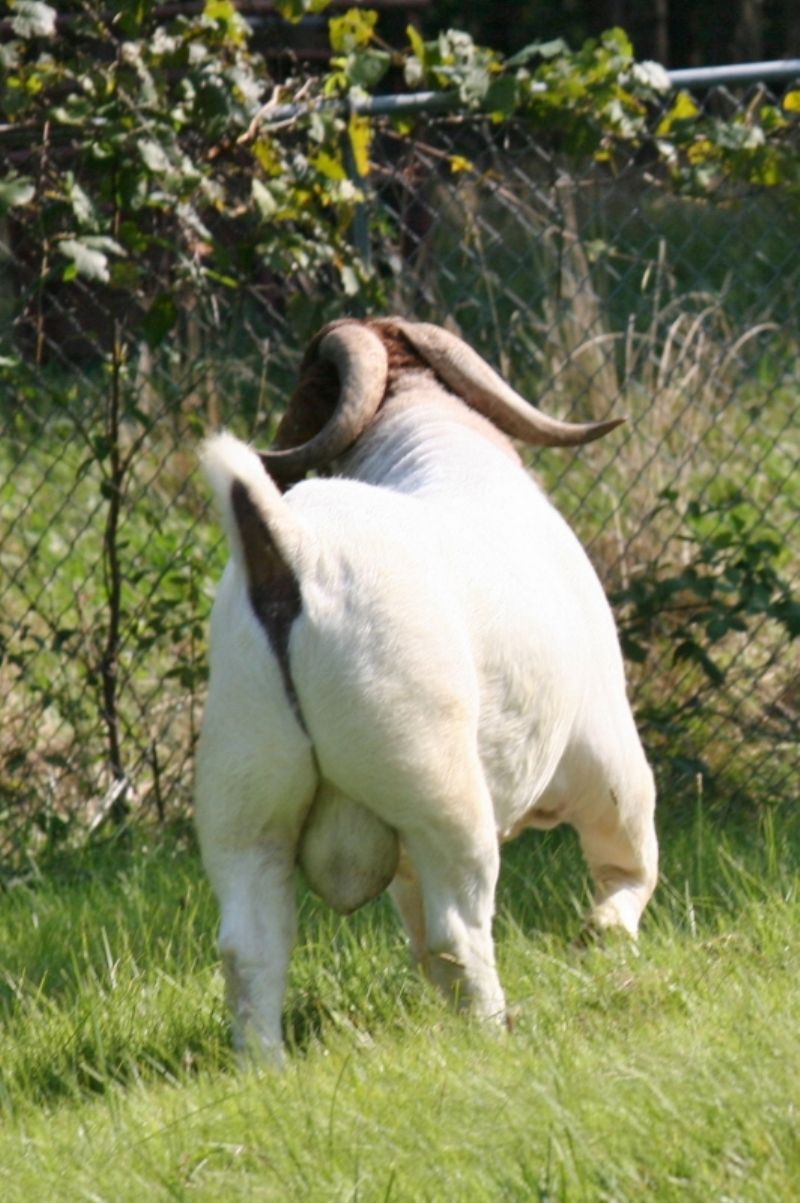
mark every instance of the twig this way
{"type": "Point", "coordinates": [267, 109]}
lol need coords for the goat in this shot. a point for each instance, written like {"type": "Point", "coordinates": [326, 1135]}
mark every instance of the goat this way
{"type": "Point", "coordinates": [410, 662]}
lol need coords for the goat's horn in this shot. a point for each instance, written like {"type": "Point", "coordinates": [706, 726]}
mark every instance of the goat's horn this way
{"type": "Point", "coordinates": [468, 375]}
{"type": "Point", "coordinates": [362, 365]}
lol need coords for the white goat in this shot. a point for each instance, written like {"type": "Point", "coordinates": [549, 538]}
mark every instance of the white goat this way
{"type": "Point", "coordinates": [410, 663]}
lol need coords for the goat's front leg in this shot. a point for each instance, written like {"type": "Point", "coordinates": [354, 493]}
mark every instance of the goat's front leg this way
{"type": "Point", "coordinates": [256, 891]}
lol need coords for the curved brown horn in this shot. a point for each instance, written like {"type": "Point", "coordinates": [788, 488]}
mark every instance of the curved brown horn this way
{"type": "Point", "coordinates": [468, 375]}
{"type": "Point", "coordinates": [362, 364]}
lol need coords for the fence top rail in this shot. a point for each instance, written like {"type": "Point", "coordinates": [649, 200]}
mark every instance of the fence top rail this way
{"type": "Point", "coordinates": [736, 73]}
{"type": "Point", "coordinates": [443, 102]}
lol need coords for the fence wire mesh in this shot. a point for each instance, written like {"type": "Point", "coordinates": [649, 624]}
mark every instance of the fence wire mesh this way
{"type": "Point", "coordinates": [593, 292]}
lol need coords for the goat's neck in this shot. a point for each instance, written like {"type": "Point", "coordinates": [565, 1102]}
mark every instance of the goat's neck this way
{"type": "Point", "coordinates": [425, 438]}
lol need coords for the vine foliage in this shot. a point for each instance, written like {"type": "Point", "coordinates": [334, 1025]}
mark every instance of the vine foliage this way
{"type": "Point", "coordinates": [145, 125]}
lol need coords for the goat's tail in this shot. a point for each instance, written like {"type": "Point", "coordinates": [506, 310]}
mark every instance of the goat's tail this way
{"type": "Point", "coordinates": [263, 535]}
{"type": "Point", "coordinates": [254, 514]}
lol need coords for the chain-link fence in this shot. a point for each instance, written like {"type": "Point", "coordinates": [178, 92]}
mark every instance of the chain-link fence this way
{"type": "Point", "coordinates": [594, 291]}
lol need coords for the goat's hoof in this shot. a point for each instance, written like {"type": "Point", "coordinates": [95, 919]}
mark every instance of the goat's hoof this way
{"type": "Point", "coordinates": [254, 1054]}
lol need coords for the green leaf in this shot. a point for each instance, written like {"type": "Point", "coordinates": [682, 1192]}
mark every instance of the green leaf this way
{"type": "Point", "coordinates": [684, 109]}
{"type": "Point", "coordinates": [416, 41]}
{"type": "Point", "coordinates": [616, 41]}
{"type": "Point", "coordinates": [366, 68]}
{"type": "Point", "coordinates": [689, 650]}
{"type": "Point", "coordinates": [501, 98]}
{"type": "Point", "coordinates": [225, 13]}
{"type": "Point", "coordinates": [154, 156]}
{"type": "Point", "coordinates": [32, 19]}
{"type": "Point", "coordinates": [353, 30]}
{"type": "Point", "coordinates": [159, 319]}
{"type": "Point", "coordinates": [102, 242]}
{"type": "Point", "coordinates": [86, 261]}
{"type": "Point", "coordinates": [546, 50]}
{"type": "Point", "coordinates": [264, 199]}
{"type": "Point", "coordinates": [328, 166]}
{"type": "Point", "coordinates": [220, 278]}
{"type": "Point", "coordinates": [787, 612]}
{"type": "Point", "coordinates": [632, 649]}
{"type": "Point", "coordinates": [15, 190]}
{"type": "Point", "coordinates": [81, 204]}
{"type": "Point", "coordinates": [295, 10]}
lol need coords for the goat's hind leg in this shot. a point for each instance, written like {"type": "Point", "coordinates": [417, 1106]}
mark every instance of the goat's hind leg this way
{"type": "Point", "coordinates": [406, 894]}
{"type": "Point", "coordinates": [456, 860]}
{"type": "Point", "coordinates": [256, 892]}
{"type": "Point", "coordinates": [619, 843]}
{"type": "Point", "coordinates": [255, 779]}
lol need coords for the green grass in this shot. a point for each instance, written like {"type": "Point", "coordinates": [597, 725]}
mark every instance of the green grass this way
{"type": "Point", "coordinates": [667, 1075]}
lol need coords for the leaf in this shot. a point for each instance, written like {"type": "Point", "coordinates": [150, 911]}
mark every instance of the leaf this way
{"type": "Point", "coordinates": [126, 275]}
{"type": "Point", "coordinates": [684, 108]}
{"type": "Point", "coordinates": [268, 158]}
{"type": "Point", "coordinates": [81, 204]}
{"type": "Point", "coordinates": [154, 155]}
{"type": "Point", "coordinates": [689, 650]}
{"type": "Point", "coordinates": [616, 41]}
{"type": "Point", "coordinates": [360, 133]}
{"type": "Point", "coordinates": [224, 12]}
{"type": "Point", "coordinates": [349, 280]}
{"type": "Point", "coordinates": [295, 10]}
{"type": "Point", "coordinates": [33, 19]}
{"type": "Point", "coordinates": [353, 30]}
{"type": "Point", "coordinates": [416, 41]}
{"type": "Point", "coordinates": [15, 190]}
{"type": "Point", "coordinates": [159, 319]}
{"type": "Point", "coordinates": [366, 68]}
{"type": "Point", "coordinates": [787, 611]}
{"type": "Point", "coordinates": [702, 151]}
{"type": "Point", "coordinates": [330, 167]}
{"type": "Point", "coordinates": [473, 84]}
{"type": "Point", "coordinates": [501, 99]}
{"type": "Point", "coordinates": [459, 163]}
{"type": "Point", "coordinates": [791, 102]}
{"type": "Point", "coordinates": [652, 75]}
{"type": "Point", "coordinates": [220, 278]}
{"type": "Point", "coordinates": [632, 649]}
{"type": "Point", "coordinates": [86, 261]}
{"type": "Point", "coordinates": [102, 242]}
{"type": "Point", "coordinates": [551, 49]}
{"type": "Point", "coordinates": [265, 201]}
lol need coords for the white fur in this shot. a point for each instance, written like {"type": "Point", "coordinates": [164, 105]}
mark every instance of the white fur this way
{"type": "Point", "coordinates": [459, 678]}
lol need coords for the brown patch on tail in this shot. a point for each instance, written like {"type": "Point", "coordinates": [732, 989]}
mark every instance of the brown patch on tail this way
{"type": "Point", "coordinates": [274, 590]}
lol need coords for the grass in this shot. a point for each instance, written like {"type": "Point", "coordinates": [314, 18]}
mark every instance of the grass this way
{"type": "Point", "coordinates": [667, 1075]}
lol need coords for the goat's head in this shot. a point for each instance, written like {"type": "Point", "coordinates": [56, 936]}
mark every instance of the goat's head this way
{"type": "Point", "coordinates": [348, 371]}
